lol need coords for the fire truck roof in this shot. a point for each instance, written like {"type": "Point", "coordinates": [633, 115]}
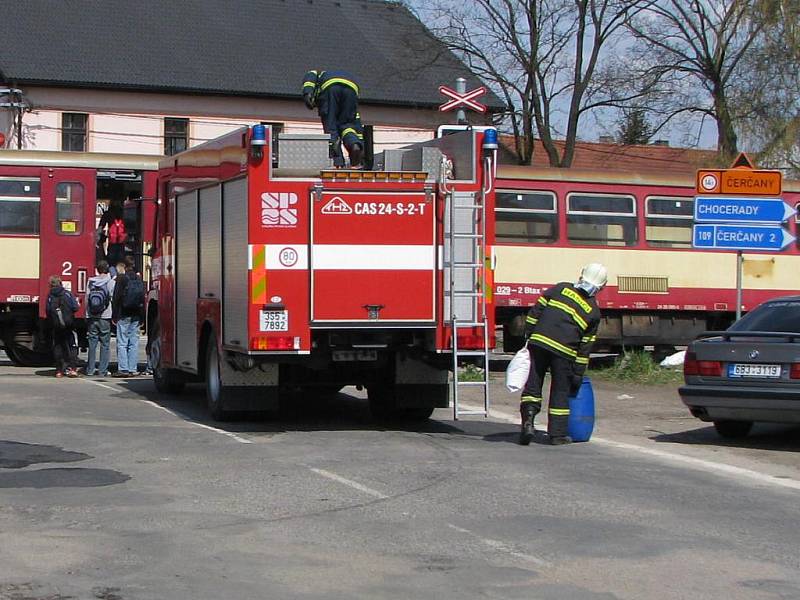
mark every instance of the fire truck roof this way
{"type": "Point", "coordinates": [227, 48]}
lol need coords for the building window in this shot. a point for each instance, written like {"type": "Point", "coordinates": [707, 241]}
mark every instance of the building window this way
{"type": "Point", "coordinates": [526, 217]}
{"type": "Point", "coordinates": [601, 220]}
{"type": "Point", "coordinates": [69, 208]}
{"type": "Point", "coordinates": [19, 206]}
{"type": "Point", "coordinates": [668, 222]}
{"type": "Point", "coordinates": [73, 131]}
{"type": "Point", "coordinates": [176, 135]}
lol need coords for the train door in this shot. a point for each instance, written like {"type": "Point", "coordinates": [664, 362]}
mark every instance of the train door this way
{"type": "Point", "coordinates": [67, 229]}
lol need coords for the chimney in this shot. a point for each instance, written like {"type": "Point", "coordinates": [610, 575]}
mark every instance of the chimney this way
{"type": "Point", "coordinates": [606, 139]}
{"type": "Point", "coordinates": [660, 143]}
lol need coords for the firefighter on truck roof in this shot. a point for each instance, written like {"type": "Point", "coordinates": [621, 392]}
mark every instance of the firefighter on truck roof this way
{"type": "Point", "coordinates": [335, 95]}
{"type": "Point", "coordinates": [560, 330]}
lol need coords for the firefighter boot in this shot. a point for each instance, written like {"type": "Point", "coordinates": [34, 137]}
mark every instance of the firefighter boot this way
{"type": "Point", "coordinates": [528, 412]}
{"type": "Point", "coordinates": [356, 155]}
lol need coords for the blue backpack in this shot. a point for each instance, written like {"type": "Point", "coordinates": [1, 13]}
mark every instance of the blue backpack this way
{"type": "Point", "coordinates": [98, 299]}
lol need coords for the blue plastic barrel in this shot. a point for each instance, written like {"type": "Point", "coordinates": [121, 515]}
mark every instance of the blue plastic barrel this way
{"type": "Point", "coordinates": [581, 413]}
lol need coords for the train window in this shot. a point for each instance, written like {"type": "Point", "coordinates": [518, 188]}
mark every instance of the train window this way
{"type": "Point", "coordinates": [526, 217]}
{"type": "Point", "coordinates": [69, 208]}
{"type": "Point", "coordinates": [601, 219]}
{"type": "Point", "coordinates": [19, 206]}
{"type": "Point", "coordinates": [668, 222]}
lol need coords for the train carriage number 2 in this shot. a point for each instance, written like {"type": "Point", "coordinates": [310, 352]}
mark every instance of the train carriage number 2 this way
{"type": "Point", "coordinates": [67, 268]}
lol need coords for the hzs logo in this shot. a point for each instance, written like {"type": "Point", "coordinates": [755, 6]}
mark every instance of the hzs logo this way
{"type": "Point", "coordinates": [278, 210]}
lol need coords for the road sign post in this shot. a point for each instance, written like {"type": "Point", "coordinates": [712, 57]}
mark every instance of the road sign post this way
{"type": "Point", "coordinates": [740, 209]}
{"type": "Point", "coordinates": [460, 98]}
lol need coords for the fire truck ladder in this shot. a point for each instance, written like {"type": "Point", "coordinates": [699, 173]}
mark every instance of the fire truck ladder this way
{"type": "Point", "coordinates": [465, 260]}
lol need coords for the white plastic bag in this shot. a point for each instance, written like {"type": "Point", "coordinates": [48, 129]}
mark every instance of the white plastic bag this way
{"type": "Point", "coordinates": [674, 360]}
{"type": "Point", "coordinates": [517, 371]}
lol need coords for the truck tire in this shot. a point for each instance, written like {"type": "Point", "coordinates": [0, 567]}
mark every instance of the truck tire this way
{"type": "Point", "coordinates": [733, 429]}
{"type": "Point", "coordinates": [383, 406]}
{"type": "Point", "coordinates": [167, 381]}
{"type": "Point", "coordinates": [216, 392]}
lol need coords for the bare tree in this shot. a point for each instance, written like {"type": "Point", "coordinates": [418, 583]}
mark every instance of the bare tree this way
{"type": "Point", "coordinates": [545, 58]}
{"type": "Point", "coordinates": [697, 51]}
{"type": "Point", "coordinates": [772, 121]}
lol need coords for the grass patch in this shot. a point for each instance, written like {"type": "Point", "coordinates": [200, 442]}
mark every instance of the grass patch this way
{"type": "Point", "coordinates": [638, 367]}
{"type": "Point", "coordinates": [470, 372]}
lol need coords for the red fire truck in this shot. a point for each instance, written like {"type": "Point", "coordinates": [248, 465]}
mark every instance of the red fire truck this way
{"type": "Point", "coordinates": [50, 205]}
{"type": "Point", "coordinates": [278, 276]}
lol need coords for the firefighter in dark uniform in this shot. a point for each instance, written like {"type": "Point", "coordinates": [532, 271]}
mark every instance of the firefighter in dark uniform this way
{"type": "Point", "coordinates": [561, 329]}
{"type": "Point", "coordinates": [335, 94]}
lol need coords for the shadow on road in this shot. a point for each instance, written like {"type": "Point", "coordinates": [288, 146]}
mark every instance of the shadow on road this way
{"type": "Point", "coordinates": [337, 412]}
{"type": "Point", "coordinates": [764, 436]}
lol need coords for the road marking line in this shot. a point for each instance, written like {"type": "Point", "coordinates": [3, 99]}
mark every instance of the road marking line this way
{"type": "Point", "coordinates": [102, 385]}
{"type": "Point", "coordinates": [178, 414]}
{"type": "Point", "coordinates": [502, 547]}
{"type": "Point", "coordinates": [690, 461]}
{"type": "Point", "coordinates": [349, 482]}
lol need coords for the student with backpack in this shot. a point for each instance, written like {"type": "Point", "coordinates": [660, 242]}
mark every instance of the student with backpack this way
{"type": "Point", "coordinates": [98, 314]}
{"type": "Point", "coordinates": [61, 309]}
{"type": "Point", "coordinates": [128, 314]}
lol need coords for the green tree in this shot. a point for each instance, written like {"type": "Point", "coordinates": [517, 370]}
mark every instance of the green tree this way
{"type": "Point", "coordinates": [634, 128]}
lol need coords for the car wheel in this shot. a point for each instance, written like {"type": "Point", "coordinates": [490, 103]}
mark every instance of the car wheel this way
{"type": "Point", "coordinates": [733, 429]}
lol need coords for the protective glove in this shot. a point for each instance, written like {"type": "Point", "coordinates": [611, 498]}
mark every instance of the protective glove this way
{"type": "Point", "coordinates": [309, 101]}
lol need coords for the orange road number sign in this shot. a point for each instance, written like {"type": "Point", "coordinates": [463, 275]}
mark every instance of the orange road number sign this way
{"type": "Point", "coordinates": [746, 182]}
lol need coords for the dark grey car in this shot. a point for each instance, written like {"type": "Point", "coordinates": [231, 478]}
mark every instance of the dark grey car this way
{"type": "Point", "coordinates": [751, 372]}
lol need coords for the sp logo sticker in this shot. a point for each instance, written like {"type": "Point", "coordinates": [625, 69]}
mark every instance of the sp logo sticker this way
{"type": "Point", "coordinates": [279, 209]}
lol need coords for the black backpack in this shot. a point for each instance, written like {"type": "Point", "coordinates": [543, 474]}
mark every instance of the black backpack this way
{"type": "Point", "coordinates": [61, 314]}
{"type": "Point", "coordinates": [133, 297]}
{"type": "Point", "coordinates": [98, 299]}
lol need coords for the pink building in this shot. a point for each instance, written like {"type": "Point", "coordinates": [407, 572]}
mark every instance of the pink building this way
{"type": "Point", "coordinates": [188, 71]}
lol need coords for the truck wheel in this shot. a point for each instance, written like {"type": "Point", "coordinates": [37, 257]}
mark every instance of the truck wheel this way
{"type": "Point", "coordinates": [167, 381]}
{"type": "Point", "coordinates": [381, 403]}
{"type": "Point", "coordinates": [418, 414]}
{"type": "Point", "coordinates": [216, 393]}
{"type": "Point", "coordinates": [733, 429]}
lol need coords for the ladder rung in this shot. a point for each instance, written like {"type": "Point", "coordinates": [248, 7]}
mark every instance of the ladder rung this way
{"type": "Point", "coordinates": [468, 324]}
{"type": "Point", "coordinates": [466, 265]}
{"type": "Point", "coordinates": [473, 236]}
{"type": "Point", "coordinates": [467, 413]}
{"type": "Point", "coordinates": [468, 294]}
{"type": "Point", "coordinates": [472, 383]}
{"type": "Point", "coordinates": [470, 206]}
{"type": "Point", "coordinates": [471, 353]}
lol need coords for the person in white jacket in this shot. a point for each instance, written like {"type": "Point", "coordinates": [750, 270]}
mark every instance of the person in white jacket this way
{"type": "Point", "coordinates": [99, 292]}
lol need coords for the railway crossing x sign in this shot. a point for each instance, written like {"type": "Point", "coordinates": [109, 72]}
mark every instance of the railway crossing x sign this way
{"type": "Point", "coordinates": [466, 99]}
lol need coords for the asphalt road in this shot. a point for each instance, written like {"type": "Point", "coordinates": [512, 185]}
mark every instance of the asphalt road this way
{"type": "Point", "coordinates": [110, 491]}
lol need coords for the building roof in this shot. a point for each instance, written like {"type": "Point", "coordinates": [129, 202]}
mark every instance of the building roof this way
{"type": "Point", "coordinates": [600, 156]}
{"type": "Point", "coordinates": [230, 47]}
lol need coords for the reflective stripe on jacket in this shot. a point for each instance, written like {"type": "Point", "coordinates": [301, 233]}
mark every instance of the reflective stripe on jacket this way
{"type": "Point", "coordinates": [316, 81]}
{"type": "Point", "coordinates": [564, 320]}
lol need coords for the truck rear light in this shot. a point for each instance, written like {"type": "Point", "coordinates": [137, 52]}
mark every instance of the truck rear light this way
{"type": "Point", "coordinates": [280, 342]}
{"type": "Point", "coordinates": [794, 371]}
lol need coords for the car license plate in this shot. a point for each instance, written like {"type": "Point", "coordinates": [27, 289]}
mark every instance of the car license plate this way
{"type": "Point", "coordinates": [745, 370]}
{"type": "Point", "coordinates": [274, 320]}
{"type": "Point", "coordinates": [354, 355]}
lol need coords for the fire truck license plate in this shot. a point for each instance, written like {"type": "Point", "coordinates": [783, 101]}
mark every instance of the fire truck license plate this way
{"type": "Point", "coordinates": [274, 320]}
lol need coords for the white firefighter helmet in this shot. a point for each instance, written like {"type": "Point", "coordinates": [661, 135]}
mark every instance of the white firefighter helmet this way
{"type": "Point", "coordinates": [595, 274]}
